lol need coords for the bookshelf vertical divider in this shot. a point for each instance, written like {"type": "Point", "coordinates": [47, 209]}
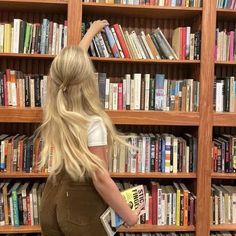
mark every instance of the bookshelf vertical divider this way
{"type": "Point", "coordinates": [206, 118]}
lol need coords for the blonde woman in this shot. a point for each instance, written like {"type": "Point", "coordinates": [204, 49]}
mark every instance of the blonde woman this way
{"type": "Point", "coordinates": [76, 133]}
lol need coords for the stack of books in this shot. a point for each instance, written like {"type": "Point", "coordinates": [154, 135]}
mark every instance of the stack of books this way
{"type": "Point", "coordinates": [119, 43]}
{"type": "Point", "coordinates": [160, 3]}
{"type": "Point", "coordinates": [156, 153]}
{"type": "Point", "coordinates": [227, 4]}
{"type": "Point", "coordinates": [20, 203]}
{"type": "Point", "coordinates": [22, 90]}
{"type": "Point", "coordinates": [23, 37]}
{"type": "Point", "coordinates": [146, 92]}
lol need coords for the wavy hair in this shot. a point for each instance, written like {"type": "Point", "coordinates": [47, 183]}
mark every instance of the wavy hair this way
{"type": "Point", "coordinates": [72, 98]}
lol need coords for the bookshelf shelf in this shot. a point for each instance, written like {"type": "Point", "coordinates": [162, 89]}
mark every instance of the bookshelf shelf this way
{"type": "Point", "coordinates": [20, 115]}
{"type": "Point", "coordinates": [140, 10]}
{"type": "Point", "coordinates": [225, 227]}
{"type": "Point", "coordinates": [113, 175]}
{"type": "Point", "coordinates": [225, 63]}
{"type": "Point", "coordinates": [155, 118]}
{"type": "Point", "coordinates": [20, 229]}
{"type": "Point", "coordinates": [224, 119]}
{"type": "Point", "coordinates": [156, 175]}
{"type": "Point", "coordinates": [149, 61]}
{"type": "Point", "coordinates": [226, 13]}
{"type": "Point", "coordinates": [24, 55]}
{"type": "Point", "coordinates": [156, 228]}
{"type": "Point", "coordinates": [57, 6]}
{"type": "Point", "coordinates": [223, 175]}
{"type": "Point", "coordinates": [34, 115]}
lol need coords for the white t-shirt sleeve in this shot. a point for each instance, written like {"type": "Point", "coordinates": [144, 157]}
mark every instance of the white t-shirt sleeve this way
{"type": "Point", "coordinates": [97, 133]}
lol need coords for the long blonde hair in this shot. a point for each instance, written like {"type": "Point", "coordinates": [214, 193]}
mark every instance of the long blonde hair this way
{"type": "Point", "coordinates": [72, 98]}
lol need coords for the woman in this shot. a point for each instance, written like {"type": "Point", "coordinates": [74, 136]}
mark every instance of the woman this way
{"type": "Point", "coordinates": [76, 133]}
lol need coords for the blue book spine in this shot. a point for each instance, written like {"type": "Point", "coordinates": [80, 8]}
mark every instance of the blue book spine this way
{"type": "Point", "coordinates": [159, 92]}
{"type": "Point", "coordinates": [112, 42]}
{"type": "Point", "coordinates": [163, 154]}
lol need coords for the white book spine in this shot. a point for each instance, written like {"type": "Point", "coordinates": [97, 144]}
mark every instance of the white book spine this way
{"type": "Point", "coordinates": [143, 156]}
{"type": "Point", "coordinates": [147, 91]}
{"type": "Point", "coordinates": [54, 37]}
{"type": "Point", "coordinates": [60, 37]}
{"type": "Point", "coordinates": [32, 100]}
{"type": "Point", "coordinates": [191, 53]}
{"type": "Point", "coordinates": [138, 45]}
{"type": "Point", "coordinates": [31, 208]}
{"type": "Point", "coordinates": [232, 94]}
{"type": "Point", "coordinates": [3, 152]}
{"type": "Point", "coordinates": [115, 97]}
{"type": "Point", "coordinates": [110, 96]}
{"type": "Point", "coordinates": [137, 91]}
{"type": "Point", "coordinates": [132, 101]}
{"type": "Point", "coordinates": [159, 206]}
{"type": "Point", "coordinates": [13, 90]}
{"type": "Point", "coordinates": [143, 36]}
{"type": "Point", "coordinates": [233, 199]}
{"type": "Point", "coordinates": [11, 211]}
{"type": "Point", "coordinates": [187, 160]}
{"type": "Point", "coordinates": [135, 46]}
{"type": "Point", "coordinates": [124, 86]}
{"type": "Point", "coordinates": [65, 36]}
{"type": "Point", "coordinates": [147, 206]}
{"type": "Point", "coordinates": [12, 39]}
{"type": "Point", "coordinates": [174, 208]}
{"type": "Point", "coordinates": [175, 155]}
{"type": "Point", "coordinates": [132, 48]}
{"type": "Point", "coordinates": [16, 35]}
{"type": "Point", "coordinates": [128, 89]}
{"type": "Point", "coordinates": [107, 91]}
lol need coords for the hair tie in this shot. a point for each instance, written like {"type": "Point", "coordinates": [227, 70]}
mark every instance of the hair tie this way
{"type": "Point", "coordinates": [63, 88]}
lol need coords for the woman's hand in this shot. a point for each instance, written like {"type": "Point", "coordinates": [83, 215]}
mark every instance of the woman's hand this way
{"type": "Point", "coordinates": [97, 26]}
{"type": "Point", "coordinates": [134, 220]}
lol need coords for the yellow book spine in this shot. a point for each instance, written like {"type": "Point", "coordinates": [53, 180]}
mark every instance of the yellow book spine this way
{"type": "Point", "coordinates": [178, 207]}
{"type": "Point", "coordinates": [7, 38]}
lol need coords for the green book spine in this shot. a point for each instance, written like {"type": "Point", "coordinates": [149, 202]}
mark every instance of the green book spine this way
{"type": "Point", "coordinates": [15, 208]}
{"type": "Point", "coordinates": [27, 37]}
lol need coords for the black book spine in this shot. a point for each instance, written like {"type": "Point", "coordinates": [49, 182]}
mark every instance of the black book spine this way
{"type": "Point", "coordinates": [152, 95]}
{"type": "Point", "coordinates": [104, 36]}
{"type": "Point", "coordinates": [161, 53]}
{"type": "Point", "coordinates": [2, 103]}
{"type": "Point", "coordinates": [37, 91]}
{"type": "Point", "coordinates": [22, 36]}
{"type": "Point", "coordinates": [27, 91]}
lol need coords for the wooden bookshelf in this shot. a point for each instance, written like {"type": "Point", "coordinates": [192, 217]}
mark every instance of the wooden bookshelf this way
{"type": "Point", "coordinates": [203, 70]}
{"type": "Point", "coordinates": [156, 228]}
{"type": "Point", "coordinates": [224, 119]}
{"type": "Point", "coordinates": [215, 175]}
{"type": "Point", "coordinates": [140, 10]}
{"type": "Point", "coordinates": [223, 227]}
{"type": "Point", "coordinates": [155, 175]}
{"type": "Point", "coordinates": [24, 55]}
{"type": "Point", "coordinates": [230, 63]}
{"type": "Point", "coordinates": [126, 60]}
{"type": "Point", "coordinates": [20, 229]}
{"type": "Point", "coordinates": [34, 115]}
{"type": "Point", "coordinates": [113, 175]}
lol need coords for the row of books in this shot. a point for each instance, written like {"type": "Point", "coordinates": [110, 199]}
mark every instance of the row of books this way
{"type": "Point", "coordinates": [156, 153]}
{"type": "Point", "coordinates": [22, 201]}
{"type": "Point", "coordinates": [119, 43]}
{"type": "Point", "coordinates": [157, 234]}
{"type": "Point", "coordinates": [223, 204]}
{"type": "Point", "coordinates": [146, 92]}
{"type": "Point", "coordinates": [228, 4]}
{"type": "Point", "coordinates": [225, 94]}
{"type": "Point", "coordinates": [223, 234]}
{"type": "Point", "coordinates": [22, 90]}
{"type": "Point", "coordinates": [23, 37]}
{"type": "Point", "coordinates": [170, 205]}
{"type": "Point", "coordinates": [224, 154]}
{"type": "Point", "coordinates": [20, 153]}
{"type": "Point", "coordinates": [161, 3]}
{"type": "Point", "coordinates": [225, 49]}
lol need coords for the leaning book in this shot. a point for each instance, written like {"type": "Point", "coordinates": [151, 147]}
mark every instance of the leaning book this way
{"type": "Point", "coordinates": [134, 197]}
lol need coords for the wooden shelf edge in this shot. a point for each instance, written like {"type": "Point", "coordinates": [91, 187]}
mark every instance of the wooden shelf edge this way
{"type": "Point", "coordinates": [155, 175]}
{"type": "Point", "coordinates": [156, 228]}
{"type": "Point", "coordinates": [128, 60]}
{"type": "Point", "coordinates": [155, 118]}
{"type": "Point", "coordinates": [20, 115]}
{"type": "Point", "coordinates": [34, 115]}
{"type": "Point", "coordinates": [126, 6]}
{"type": "Point", "coordinates": [224, 119]}
{"type": "Point", "coordinates": [113, 175]}
{"type": "Point", "coordinates": [223, 227]}
{"type": "Point", "coordinates": [27, 55]}
{"type": "Point", "coordinates": [225, 10]}
{"type": "Point", "coordinates": [225, 62]}
{"type": "Point", "coordinates": [37, 1]}
{"type": "Point", "coordinates": [215, 175]}
{"type": "Point", "coordinates": [20, 229]}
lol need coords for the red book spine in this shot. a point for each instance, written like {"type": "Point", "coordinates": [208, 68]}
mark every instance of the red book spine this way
{"type": "Point", "coordinates": [184, 35]}
{"type": "Point", "coordinates": [5, 90]}
{"type": "Point", "coordinates": [120, 96]}
{"type": "Point", "coordinates": [154, 203]}
{"type": "Point", "coordinates": [20, 155]}
{"type": "Point", "coordinates": [150, 211]}
{"type": "Point", "coordinates": [28, 210]}
{"type": "Point", "coordinates": [121, 41]}
{"type": "Point", "coordinates": [152, 2]}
